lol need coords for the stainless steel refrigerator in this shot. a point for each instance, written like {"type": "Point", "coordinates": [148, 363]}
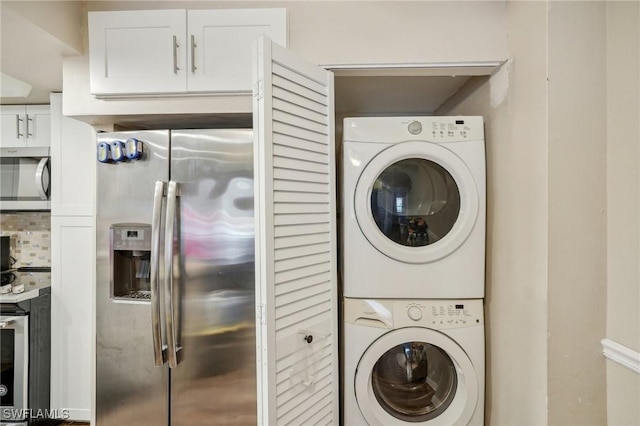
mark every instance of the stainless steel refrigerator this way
{"type": "Point", "coordinates": [175, 296]}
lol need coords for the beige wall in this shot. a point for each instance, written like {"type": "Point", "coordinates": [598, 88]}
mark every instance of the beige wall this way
{"type": "Point", "coordinates": [560, 154]}
{"type": "Point", "coordinates": [577, 212]}
{"type": "Point", "coordinates": [514, 104]}
{"type": "Point", "coordinates": [623, 204]}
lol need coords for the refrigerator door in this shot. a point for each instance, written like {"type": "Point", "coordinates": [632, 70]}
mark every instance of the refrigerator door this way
{"type": "Point", "coordinates": [130, 389]}
{"type": "Point", "coordinates": [213, 278]}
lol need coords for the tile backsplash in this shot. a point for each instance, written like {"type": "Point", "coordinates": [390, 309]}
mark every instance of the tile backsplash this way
{"type": "Point", "coordinates": [30, 234]}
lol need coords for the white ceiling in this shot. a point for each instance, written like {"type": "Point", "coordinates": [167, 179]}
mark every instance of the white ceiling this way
{"type": "Point", "coordinates": [35, 36]}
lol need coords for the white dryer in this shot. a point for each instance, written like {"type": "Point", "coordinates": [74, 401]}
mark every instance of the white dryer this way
{"type": "Point", "coordinates": [413, 362]}
{"type": "Point", "coordinates": [413, 207]}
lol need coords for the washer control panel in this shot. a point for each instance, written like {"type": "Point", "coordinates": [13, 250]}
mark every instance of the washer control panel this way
{"type": "Point", "coordinates": [438, 314]}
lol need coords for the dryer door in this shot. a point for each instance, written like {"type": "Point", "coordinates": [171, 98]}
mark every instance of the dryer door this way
{"type": "Point", "coordinates": [417, 376]}
{"type": "Point", "coordinates": [416, 202]}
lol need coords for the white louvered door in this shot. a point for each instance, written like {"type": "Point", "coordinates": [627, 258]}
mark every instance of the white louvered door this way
{"type": "Point", "coordinates": [296, 269]}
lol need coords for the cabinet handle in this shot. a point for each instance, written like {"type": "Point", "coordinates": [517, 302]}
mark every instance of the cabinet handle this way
{"type": "Point", "coordinates": [18, 120]}
{"type": "Point", "coordinates": [193, 54]}
{"type": "Point", "coordinates": [175, 55]}
{"type": "Point", "coordinates": [29, 134]}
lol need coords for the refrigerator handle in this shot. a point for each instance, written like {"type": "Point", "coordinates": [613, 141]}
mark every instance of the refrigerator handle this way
{"type": "Point", "coordinates": [169, 306]}
{"type": "Point", "coordinates": [159, 348]}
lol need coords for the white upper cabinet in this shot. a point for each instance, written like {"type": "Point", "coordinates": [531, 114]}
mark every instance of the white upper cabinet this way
{"type": "Point", "coordinates": [220, 46]}
{"type": "Point", "coordinates": [138, 52]}
{"type": "Point", "coordinates": [176, 51]}
{"type": "Point", "coordinates": [25, 126]}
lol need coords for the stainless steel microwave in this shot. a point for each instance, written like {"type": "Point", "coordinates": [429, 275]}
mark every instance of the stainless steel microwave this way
{"type": "Point", "coordinates": [25, 179]}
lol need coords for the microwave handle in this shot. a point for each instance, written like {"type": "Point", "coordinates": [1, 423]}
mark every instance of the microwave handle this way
{"type": "Point", "coordinates": [42, 178]}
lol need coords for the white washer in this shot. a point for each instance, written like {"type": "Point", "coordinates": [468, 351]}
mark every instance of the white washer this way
{"type": "Point", "coordinates": [414, 197]}
{"type": "Point", "coordinates": [413, 362]}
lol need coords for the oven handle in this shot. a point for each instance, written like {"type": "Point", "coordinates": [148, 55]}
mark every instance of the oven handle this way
{"type": "Point", "coordinates": [7, 321]}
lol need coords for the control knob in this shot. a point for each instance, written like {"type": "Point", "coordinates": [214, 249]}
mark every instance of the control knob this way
{"type": "Point", "coordinates": [415, 313]}
{"type": "Point", "coordinates": [415, 127]}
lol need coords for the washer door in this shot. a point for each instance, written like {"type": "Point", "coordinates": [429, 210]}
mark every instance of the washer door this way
{"type": "Point", "coordinates": [416, 202]}
{"type": "Point", "coordinates": [417, 376]}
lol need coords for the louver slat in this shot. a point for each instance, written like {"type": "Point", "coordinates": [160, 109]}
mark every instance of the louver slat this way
{"type": "Point", "coordinates": [302, 219]}
{"type": "Point", "coordinates": [300, 198]}
{"type": "Point", "coordinates": [298, 111]}
{"type": "Point", "coordinates": [280, 139]}
{"type": "Point", "coordinates": [280, 94]}
{"type": "Point", "coordinates": [299, 154]}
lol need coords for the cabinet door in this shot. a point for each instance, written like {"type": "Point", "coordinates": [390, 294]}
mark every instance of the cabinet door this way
{"type": "Point", "coordinates": [137, 52]}
{"type": "Point", "coordinates": [38, 125]}
{"type": "Point", "coordinates": [12, 127]}
{"type": "Point", "coordinates": [220, 46]}
{"type": "Point", "coordinates": [72, 282]}
{"type": "Point", "coordinates": [296, 280]}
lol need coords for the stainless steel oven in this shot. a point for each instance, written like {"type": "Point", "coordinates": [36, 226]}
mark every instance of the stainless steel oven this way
{"type": "Point", "coordinates": [25, 343]}
{"type": "Point", "coordinates": [14, 375]}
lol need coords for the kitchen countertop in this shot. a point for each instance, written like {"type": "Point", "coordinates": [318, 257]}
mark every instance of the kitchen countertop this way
{"type": "Point", "coordinates": [35, 284]}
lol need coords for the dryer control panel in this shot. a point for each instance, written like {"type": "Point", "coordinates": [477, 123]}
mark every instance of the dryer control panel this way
{"type": "Point", "coordinates": [438, 129]}
{"type": "Point", "coordinates": [438, 314]}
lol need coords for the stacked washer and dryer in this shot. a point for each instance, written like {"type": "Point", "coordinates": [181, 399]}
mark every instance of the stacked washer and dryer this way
{"type": "Point", "coordinates": [413, 270]}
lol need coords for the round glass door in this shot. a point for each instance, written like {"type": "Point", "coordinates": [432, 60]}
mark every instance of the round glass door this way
{"type": "Point", "coordinates": [415, 202]}
{"type": "Point", "coordinates": [416, 375]}
{"type": "Point", "coordinates": [414, 381]}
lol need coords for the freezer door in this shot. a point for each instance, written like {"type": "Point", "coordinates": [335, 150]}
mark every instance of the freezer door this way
{"type": "Point", "coordinates": [213, 278]}
{"type": "Point", "coordinates": [130, 389]}
{"type": "Point", "coordinates": [295, 239]}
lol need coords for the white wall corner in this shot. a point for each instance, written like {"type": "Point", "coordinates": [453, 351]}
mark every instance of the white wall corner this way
{"type": "Point", "coordinates": [499, 84]}
{"type": "Point", "coordinates": [621, 354]}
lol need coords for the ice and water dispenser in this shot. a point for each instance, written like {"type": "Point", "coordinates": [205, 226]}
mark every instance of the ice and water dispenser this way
{"type": "Point", "coordinates": [130, 261]}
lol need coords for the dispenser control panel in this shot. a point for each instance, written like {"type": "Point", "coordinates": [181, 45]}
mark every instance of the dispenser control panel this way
{"type": "Point", "coordinates": [131, 237]}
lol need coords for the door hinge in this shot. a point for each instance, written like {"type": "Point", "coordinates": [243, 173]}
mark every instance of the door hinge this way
{"type": "Point", "coordinates": [258, 90]}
